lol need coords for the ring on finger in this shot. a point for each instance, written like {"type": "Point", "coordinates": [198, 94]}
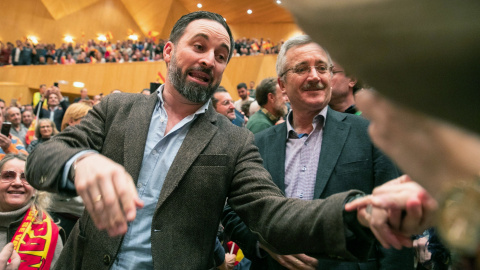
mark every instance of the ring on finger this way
{"type": "Point", "coordinates": [369, 209]}
{"type": "Point", "coordinates": [98, 198]}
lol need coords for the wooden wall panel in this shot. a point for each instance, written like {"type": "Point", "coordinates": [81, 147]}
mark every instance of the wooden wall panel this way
{"type": "Point", "coordinates": [30, 17]}
{"type": "Point", "coordinates": [128, 77]}
{"type": "Point", "coordinates": [273, 31]}
{"type": "Point", "coordinates": [11, 90]}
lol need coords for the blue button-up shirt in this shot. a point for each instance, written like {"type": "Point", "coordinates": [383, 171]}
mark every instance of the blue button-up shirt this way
{"type": "Point", "coordinates": [160, 151]}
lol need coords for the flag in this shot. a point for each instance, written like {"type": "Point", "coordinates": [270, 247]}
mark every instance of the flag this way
{"type": "Point", "coordinates": [30, 136]}
{"type": "Point", "coordinates": [234, 249]}
{"type": "Point", "coordinates": [109, 36]}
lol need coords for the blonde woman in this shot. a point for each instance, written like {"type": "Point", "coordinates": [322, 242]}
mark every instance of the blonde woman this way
{"type": "Point", "coordinates": [75, 114]}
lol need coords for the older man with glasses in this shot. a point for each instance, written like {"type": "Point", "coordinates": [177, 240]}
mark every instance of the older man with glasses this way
{"type": "Point", "coordinates": [316, 153]}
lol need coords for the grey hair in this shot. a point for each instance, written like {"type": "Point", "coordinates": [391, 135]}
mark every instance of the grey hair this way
{"type": "Point", "coordinates": [294, 42]}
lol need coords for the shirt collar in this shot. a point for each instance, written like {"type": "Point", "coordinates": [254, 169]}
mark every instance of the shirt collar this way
{"type": "Point", "coordinates": [270, 116]}
{"type": "Point", "coordinates": [322, 115]}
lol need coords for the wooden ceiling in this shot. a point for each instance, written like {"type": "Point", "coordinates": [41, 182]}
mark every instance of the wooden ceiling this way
{"type": "Point", "coordinates": [162, 14]}
{"type": "Point", "coordinates": [235, 11]}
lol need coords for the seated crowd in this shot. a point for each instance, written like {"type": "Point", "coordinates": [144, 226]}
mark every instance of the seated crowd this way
{"type": "Point", "coordinates": [27, 53]}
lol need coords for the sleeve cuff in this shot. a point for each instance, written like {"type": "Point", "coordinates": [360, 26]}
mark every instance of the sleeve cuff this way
{"type": "Point", "coordinates": [66, 185]}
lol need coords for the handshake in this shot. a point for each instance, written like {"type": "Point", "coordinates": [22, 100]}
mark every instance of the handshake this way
{"type": "Point", "coordinates": [395, 211]}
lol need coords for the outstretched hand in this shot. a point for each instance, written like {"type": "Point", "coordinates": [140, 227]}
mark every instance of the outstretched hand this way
{"type": "Point", "coordinates": [395, 211]}
{"type": "Point", "coordinates": [108, 192]}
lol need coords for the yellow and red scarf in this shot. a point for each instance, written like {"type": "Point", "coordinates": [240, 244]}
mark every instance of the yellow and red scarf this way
{"type": "Point", "coordinates": [35, 241]}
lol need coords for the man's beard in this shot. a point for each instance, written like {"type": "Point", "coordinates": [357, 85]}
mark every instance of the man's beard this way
{"type": "Point", "coordinates": [191, 91]}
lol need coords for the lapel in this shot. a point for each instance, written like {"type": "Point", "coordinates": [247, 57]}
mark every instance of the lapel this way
{"type": "Point", "coordinates": [335, 133]}
{"type": "Point", "coordinates": [200, 134]}
{"type": "Point", "coordinates": [137, 124]}
{"type": "Point", "coordinates": [274, 152]}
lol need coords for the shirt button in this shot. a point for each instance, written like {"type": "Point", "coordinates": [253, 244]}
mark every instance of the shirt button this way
{"type": "Point", "coordinates": [139, 185]}
{"type": "Point", "coordinates": [304, 168]}
{"type": "Point", "coordinates": [154, 152]}
{"type": "Point", "coordinates": [162, 119]}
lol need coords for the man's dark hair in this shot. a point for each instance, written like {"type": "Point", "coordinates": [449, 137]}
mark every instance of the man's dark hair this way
{"type": "Point", "coordinates": [1, 100]}
{"type": "Point", "coordinates": [268, 85]}
{"type": "Point", "coordinates": [41, 85]}
{"type": "Point", "coordinates": [219, 89]}
{"type": "Point", "coordinates": [242, 85]}
{"type": "Point", "coordinates": [185, 20]}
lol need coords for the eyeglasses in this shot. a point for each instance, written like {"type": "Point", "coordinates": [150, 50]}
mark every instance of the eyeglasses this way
{"type": "Point", "coordinates": [303, 69]}
{"type": "Point", "coordinates": [337, 71]}
{"type": "Point", "coordinates": [10, 176]}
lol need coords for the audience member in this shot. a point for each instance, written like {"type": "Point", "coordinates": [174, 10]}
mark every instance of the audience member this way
{"type": "Point", "coordinates": [315, 154]}
{"type": "Point", "coordinates": [24, 220]}
{"type": "Point", "coordinates": [222, 102]}
{"type": "Point", "coordinates": [27, 107]}
{"type": "Point", "coordinates": [74, 114]}
{"type": "Point", "coordinates": [246, 109]}
{"type": "Point", "coordinates": [44, 130]}
{"type": "Point", "coordinates": [27, 118]}
{"type": "Point", "coordinates": [343, 90]}
{"type": "Point", "coordinates": [271, 100]}
{"type": "Point", "coordinates": [83, 96]}
{"type": "Point", "coordinates": [97, 99]}
{"type": "Point", "coordinates": [40, 95]}
{"type": "Point", "coordinates": [15, 57]}
{"type": "Point", "coordinates": [10, 144]}
{"type": "Point", "coordinates": [195, 137]}
{"type": "Point", "coordinates": [69, 60]}
{"type": "Point", "coordinates": [14, 116]}
{"type": "Point", "coordinates": [252, 89]}
{"type": "Point", "coordinates": [57, 106]}
{"type": "Point", "coordinates": [5, 52]}
{"type": "Point", "coordinates": [243, 93]}
{"type": "Point", "coordinates": [2, 106]}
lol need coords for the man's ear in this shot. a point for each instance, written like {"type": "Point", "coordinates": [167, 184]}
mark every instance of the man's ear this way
{"type": "Point", "coordinates": [281, 83]}
{"type": "Point", "coordinates": [352, 83]}
{"type": "Point", "coordinates": [271, 97]}
{"type": "Point", "coordinates": [168, 52]}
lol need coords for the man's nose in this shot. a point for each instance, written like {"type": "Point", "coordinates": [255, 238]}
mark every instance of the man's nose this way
{"type": "Point", "coordinates": [208, 59]}
{"type": "Point", "coordinates": [313, 74]}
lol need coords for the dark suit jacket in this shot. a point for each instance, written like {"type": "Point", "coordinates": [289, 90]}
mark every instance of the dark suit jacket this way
{"type": "Point", "coordinates": [216, 160]}
{"type": "Point", "coordinates": [348, 160]}
{"type": "Point", "coordinates": [58, 113]}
